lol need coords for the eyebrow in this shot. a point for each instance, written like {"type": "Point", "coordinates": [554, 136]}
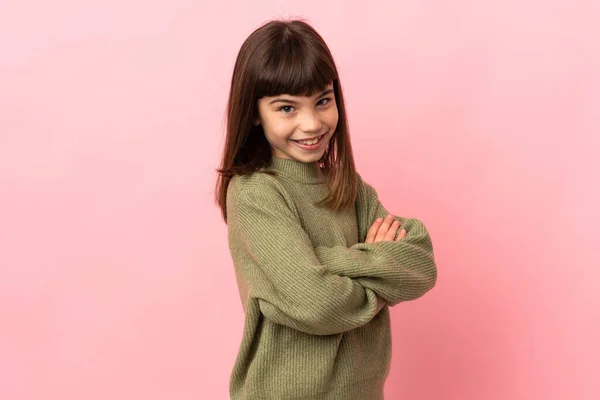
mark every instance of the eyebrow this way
{"type": "Point", "coordinates": [290, 101]}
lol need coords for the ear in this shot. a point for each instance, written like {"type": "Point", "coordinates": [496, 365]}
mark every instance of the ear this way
{"type": "Point", "coordinates": [256, 122]}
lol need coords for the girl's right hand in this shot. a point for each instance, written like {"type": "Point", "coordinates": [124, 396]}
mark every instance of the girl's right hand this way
{"type": "Point", "coordinates": [384, 230]}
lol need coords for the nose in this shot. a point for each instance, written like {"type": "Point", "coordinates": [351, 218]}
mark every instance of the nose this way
{"type": "Point", "coordinates": [311, 122]}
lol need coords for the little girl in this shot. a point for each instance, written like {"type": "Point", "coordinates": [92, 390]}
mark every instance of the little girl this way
{"type": "Point", "coordinates": [317, 258]}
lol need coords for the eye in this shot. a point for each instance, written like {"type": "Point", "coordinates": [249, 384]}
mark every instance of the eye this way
{"type": "Point", "coordinates": [324, 101]}
{"type": "Point", "coordinates": [286, 109]}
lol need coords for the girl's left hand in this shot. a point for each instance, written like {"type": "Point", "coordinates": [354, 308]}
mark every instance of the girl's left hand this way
{"type": "Point", "coordinates": [385, 230]}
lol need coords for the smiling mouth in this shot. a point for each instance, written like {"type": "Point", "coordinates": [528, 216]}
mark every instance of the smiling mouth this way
{"type": "Point", "coordinates": [311, 141]}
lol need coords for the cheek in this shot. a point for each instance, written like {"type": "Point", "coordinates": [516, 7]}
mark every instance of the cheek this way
{"type": "Point", "coordinates": [277, 129]}
{"type": "Point", "coordinates": [332, 117]}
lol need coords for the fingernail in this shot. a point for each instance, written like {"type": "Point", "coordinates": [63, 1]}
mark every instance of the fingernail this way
{"type": "Point", "coordinates": [379, 219]}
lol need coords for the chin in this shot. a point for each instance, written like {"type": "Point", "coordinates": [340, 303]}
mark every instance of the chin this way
{"type": "Point", "coordinates": [310, 158]}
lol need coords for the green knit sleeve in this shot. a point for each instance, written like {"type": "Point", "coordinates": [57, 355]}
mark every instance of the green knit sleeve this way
{"type": "Point", "coordinates": [369, 208]}
{"type": "Point", "coordinates": [275, 256]}
{"type": "Point", "coordinates": [397, 271]}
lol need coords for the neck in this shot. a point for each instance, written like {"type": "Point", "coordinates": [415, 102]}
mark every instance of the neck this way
{"type": "Point", "coordinates": [297, 170]}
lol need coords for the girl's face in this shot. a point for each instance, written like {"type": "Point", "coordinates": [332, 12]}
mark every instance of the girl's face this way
{"type": "Point", "coordinates": [292, 124]}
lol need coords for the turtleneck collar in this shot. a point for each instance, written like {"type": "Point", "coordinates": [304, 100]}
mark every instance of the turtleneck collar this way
{"type": "Point", "coordinates": [297, 170]}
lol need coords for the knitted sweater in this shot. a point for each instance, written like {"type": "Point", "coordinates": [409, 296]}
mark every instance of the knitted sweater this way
{"type": "Point", "coordinates": [317, 323]}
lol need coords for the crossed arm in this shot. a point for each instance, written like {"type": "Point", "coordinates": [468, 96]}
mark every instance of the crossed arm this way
{"type": "Point", "coordinates": [327, 290]}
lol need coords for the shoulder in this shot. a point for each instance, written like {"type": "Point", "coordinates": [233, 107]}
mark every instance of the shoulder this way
{"type": "Point", "coordinates": [359, 179]}
{"type": "Point", "coordinates": [257, 189]}
{"type": "Point", "coordinates": [255, 182]}
{"type": "Point", "coordinates": [363, 187]}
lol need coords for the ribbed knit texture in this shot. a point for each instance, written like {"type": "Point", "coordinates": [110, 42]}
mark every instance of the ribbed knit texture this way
{"type": "Point", "coordinates": [316, 297]}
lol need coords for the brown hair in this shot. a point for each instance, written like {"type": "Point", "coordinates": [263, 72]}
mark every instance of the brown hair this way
{"type": "Point", "coordinates": [283, 57]}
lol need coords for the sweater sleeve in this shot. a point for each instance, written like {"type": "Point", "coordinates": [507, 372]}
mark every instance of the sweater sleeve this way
{"type": "Point", "coordinates": [396, 271]}
{"type": "Point", "coordinates": [284, 274]}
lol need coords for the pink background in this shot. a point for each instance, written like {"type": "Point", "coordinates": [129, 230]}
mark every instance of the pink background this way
{"type": "Point", "coordinates": [481, 118]}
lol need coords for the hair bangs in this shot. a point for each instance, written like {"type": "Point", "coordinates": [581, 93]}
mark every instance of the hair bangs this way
{"type": "Point", "coordinates": [296, 69]}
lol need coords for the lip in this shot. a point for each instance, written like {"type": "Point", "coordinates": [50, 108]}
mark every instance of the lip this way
{"type": "Point", "coordinates": [314, 137]}
{"type": "Point", "coordinates": [314, 146]}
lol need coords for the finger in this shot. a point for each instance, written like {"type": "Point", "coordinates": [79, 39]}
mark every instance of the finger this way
{"type": "Point", "coordinates": [383, 229]}
{"type": "Point", "coordinates": [373, 230]}
{"type": "Point", "coordinates": [391, 234]}
{"type": "Point", "coordinates": [402, 234]}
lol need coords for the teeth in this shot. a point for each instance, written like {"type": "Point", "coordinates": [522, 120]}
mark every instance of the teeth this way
{"type": "Point", "coordinates": [310, 142]}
